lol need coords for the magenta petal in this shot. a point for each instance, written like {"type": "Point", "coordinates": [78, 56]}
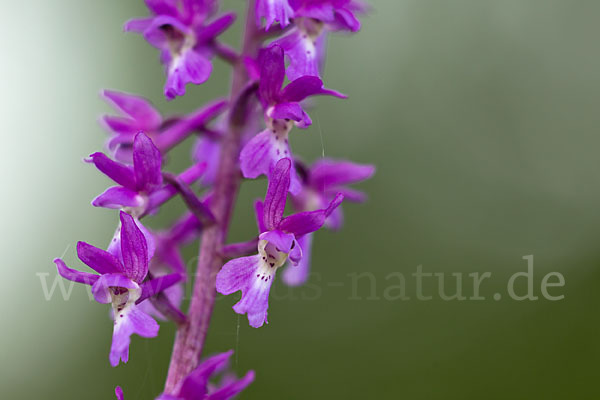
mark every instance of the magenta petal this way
{"type": "Point", "coordinates": [295, 255]}
{"type": "Point", "coordinates": [282, 241]}
{"type": "Point", "coordinates": [195, 385]}
{"type": "Point", "coordinates": [208, 150]}
{"type": "Point", "coordinates": [326, 173]}
{"type": "Point", "coordinates": [233, 388]}
{"type": "Point", "coordinates": [240, 274]}
{"type": "Point", "coordinates": [163, 7]}
{"type": "Point", "coordinates": [74, 275]}
{"type": "Point", "coordinates": [136, 107]}
{"type": "Point", "coordinates": [347, 20]}
{"type": "Point", "coordinates": [302, 53]}
{"type": "Point", "coordinates": [273, 11]}
{"type": "Point", "coordinates": [309, 221]}
{"type": "Point", "coordinates": [279, 184]}
{"type": "Point", "coordinates": [164, 31]}
{"type": "Point", "coordinates": [259, 213]}
{"type": "Point", "coordinates": [261, 153]}
{"type": "Point", "coordinates": [138, 25]}
{"type": "Point", "coordinates": [101, 290]}
{"type": "Point", "coordinates": [272, 73]}
{"type": "Point", "coordinates": [235, 274]}
{"type": "Point", "coordinates": [146, 163]}
{"type": "Point", "coordinates": [335, 220]}
{"type": "Point", "coordinates": [291, 111]}
{"type": "Point", "coordinates": [352, 195]}
{"type": "Point", "coordinates": [189, 67]}
{"type": "Point", "coordinates": [156, 285]}
{"type": "Point", "coordinates": [131, 321]}
{"type": "Point", "coordinates": [119, 393]}
{"type": "Point", "coordinates": [122, 125]}
{"type": "Point", "coordinates": [296, 275]}
{"type": "Point", "coordinates": [306, 86]}
{"type": "Point", "coordinates": [99, 260]}
{"type": "Point", "coordinates": [210, 31]}
{"type": "Point", "coordinates": [118, 197]}
{"type": "Point", "coordinates": [120, 173]}
{"type": "Point", "coordinates": [134, 249]}
{"type": "Point", "coordinates": [256, 156]}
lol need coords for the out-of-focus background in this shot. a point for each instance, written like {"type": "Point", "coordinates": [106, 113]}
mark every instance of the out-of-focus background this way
{"type": "Point", "coordinates": [482, 117]}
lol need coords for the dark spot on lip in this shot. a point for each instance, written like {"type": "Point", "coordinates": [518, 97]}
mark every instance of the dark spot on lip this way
{"type": "Point", "coordinates": [272, 264]}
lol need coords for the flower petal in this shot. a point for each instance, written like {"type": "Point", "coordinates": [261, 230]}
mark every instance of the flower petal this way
{"type": "Point", "coordinates": [195, 385]}
{"type": "Point", "coordinates": [273, 11]}
{"type": "Point", "coordinates": [259, 213]}
{"type": "Point", "coordinates": [296, 275]}
{"type": "Point", "coordinates": [279, 184]}
{"type": "Point", "coordinates": [189, 67]}
{"type": "Point", "coordinates": [291, 111]}
{"type": "Point", "coordinates": [240, 274]}
{"type": "Point", "coordinates": [99, 260]}
{"type": "Point", "coordinates": [272, 73]}
{"type": "Point", "coordinates": [120, 173]}
{"type": "Point", "coordinates": [302, 53]}
{"type": "Point", "coordinates": [345, 19]}
{"type": "Point", "coordinates": [146, 163]}
{"type": "Point", "coordinates": [326, 173]}
{"type": "Point", "coordinates": [138, 25]}
{"type": "Point", "coordinates": [114, 246]}
{"type": "Point", "coordinates": [208, 150]}
{"type": "Point", "coordinates": [282, 241]}
{"type": "Point", "coordinates": [121, 125]}
{"type": "Point", "coordinates": [131, 320]}
{"type": "Point", "coordinates": [210, 31]}
{"type": "Point", "coordinates": [136, 107]}
{"type": "Point", "coordinates": [162, 7]}
{"type": "Point", "coordinates": [232, 388]}
{"type": "Point", "coordinates": [134, 249]}
{"type": "Point", "coordinates": [260, 155]}
{"type": "Point", "coordinates": [306, 86]}
{"type": "Point", "coordinates": [309, 221]}
{"type": "Point", "coordinates": [119, 393]}
{"type": "Point", "coordinates": [118, 197]}
{"type": "Point", "coordinates": [101, 288]}
{"type": "Point", "coordinates": [165, 31]}
{"type": "Point", "coordinates": [73, 275]}
{"type": "Point", "coordinates": [156, 285]}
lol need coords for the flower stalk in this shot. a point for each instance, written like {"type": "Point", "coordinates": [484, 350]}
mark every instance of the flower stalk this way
{"type": "Point", "coordinates": [191, 335]}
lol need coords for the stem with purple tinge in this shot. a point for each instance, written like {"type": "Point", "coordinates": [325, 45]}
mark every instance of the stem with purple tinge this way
{"type": "Point", "coordinates": [191, 335]}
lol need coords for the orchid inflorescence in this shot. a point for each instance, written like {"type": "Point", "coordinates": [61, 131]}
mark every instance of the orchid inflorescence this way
{"type": "Point", "coordinates": [141, 272]}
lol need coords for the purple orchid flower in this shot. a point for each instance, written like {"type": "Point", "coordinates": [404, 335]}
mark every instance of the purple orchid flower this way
{"type": "Point", "coordinates": [121, 283]}
{"type": "Point", "coordinates": [138, 115]}
{"type": "Point", "coordinates": [283, 108]}
{"type": "Point", "coordinates": [140, 187]}
{"type": "Point", "coordinates": [180, 30]}
{"type": "Point", "coordinates": [119, 393]}
{"type": "Point", "coordinates": [321, 183]}
{"type": "Point", "coordinates": [196, 385]}
{"type": "Point", "coordinates": [304, 45]}
{"type": "Point", "coordinates": [277, 243]}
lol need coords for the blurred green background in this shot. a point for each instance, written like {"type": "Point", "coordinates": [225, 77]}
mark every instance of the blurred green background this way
{"type": "Point", "coordinates": [482, 117]}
